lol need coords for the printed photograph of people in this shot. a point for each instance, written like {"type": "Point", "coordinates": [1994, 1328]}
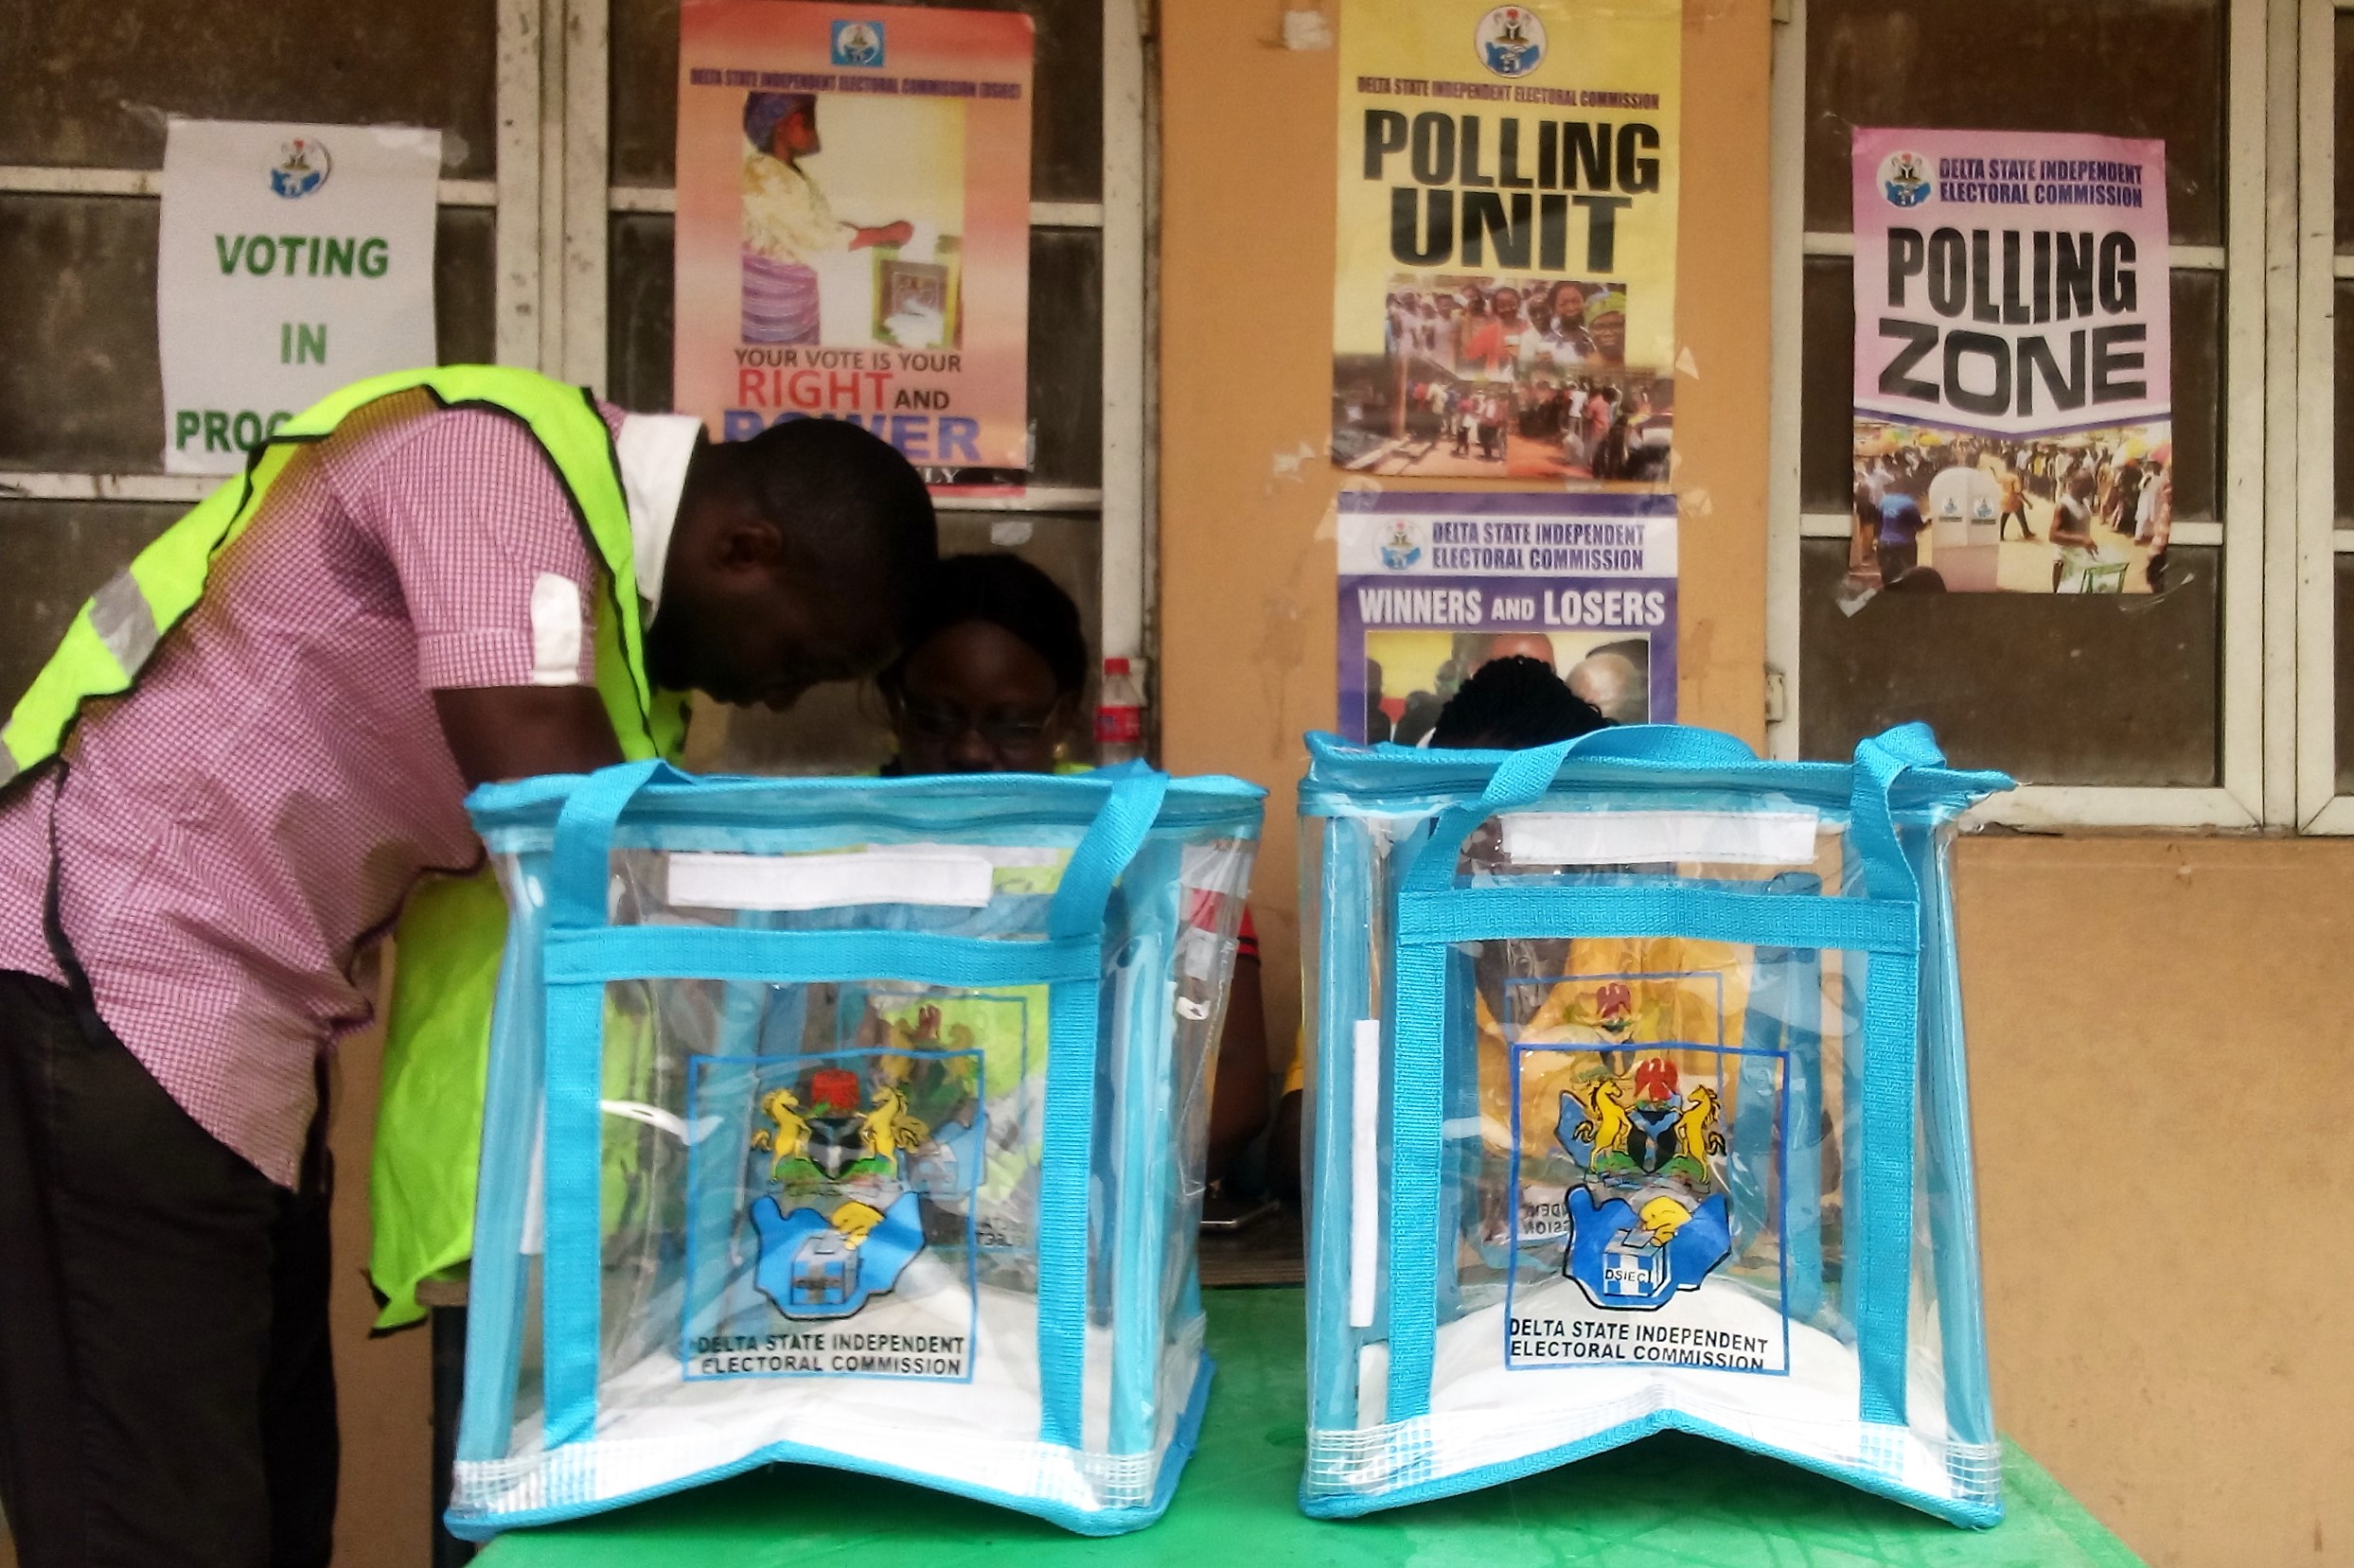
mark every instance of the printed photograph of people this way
{"type": "Point", "coordinates": [1496, 377]}
{"type": "Point", "coordinates": [1410, 675]}
{"type": "Point", "coordinates": [1939, 511]}
{"type": "Point", "coordinates": [819, 267]}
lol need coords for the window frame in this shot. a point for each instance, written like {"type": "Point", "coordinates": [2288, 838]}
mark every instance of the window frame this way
{"type": "Point", "coordinates": [513, 194]}
{"type": "Point", "coordinates": [552, 202]}
{"type": "Point", "coordinates": [2263, 699]}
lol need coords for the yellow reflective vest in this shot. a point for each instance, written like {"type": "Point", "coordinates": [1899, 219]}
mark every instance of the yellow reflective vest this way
{"type": "Point", "coordinates": [437, 1037]}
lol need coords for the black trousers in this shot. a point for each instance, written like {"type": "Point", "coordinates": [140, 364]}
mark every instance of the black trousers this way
{"type": "Point", "coordinates": [166, 1392]}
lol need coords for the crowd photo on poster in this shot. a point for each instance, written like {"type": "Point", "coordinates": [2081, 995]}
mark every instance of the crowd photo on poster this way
{"type": "Point", "coordinates": [2091, 512]}
{"type": "Point", "coordinates": [1411, 675]}
{"type": "Point", "coordinates": [1483, 377]}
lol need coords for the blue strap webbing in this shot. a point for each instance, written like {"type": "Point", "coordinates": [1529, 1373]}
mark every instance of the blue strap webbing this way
{"type": "Point", "coordinates": [584, 842]}
{"type": "Point", "coordinates": [785, 958]}
{"type": "Point", "coordinates": [571, 1267]}
{"type": "Point", "coordinates": [1415, 1155]}
{"type": "Point", "coordinates": [1110, 843]}
{"type": "Point", "coordinates": [572, 1270]}
{"type": "Point", "coordinates": [1881, 1251]}
{"type": "Point", "coordinates": [1522, 779]}
{"type": "Point", "coordinates": [1074, 1010]}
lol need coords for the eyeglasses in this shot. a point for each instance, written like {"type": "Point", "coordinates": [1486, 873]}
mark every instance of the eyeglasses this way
{"type": "Point", "coordinates": [1003, 731]}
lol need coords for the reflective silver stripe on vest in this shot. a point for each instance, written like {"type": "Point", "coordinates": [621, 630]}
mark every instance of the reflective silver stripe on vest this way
{"type": "Point", "coordinates": [9, 770]}
{"type": "Point", "coordinates": [121, 616]}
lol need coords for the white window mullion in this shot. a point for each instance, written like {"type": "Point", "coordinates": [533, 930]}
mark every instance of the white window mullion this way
{"type": "Point", "coordinates": [577, 290]}
{"type": "Point", "coordinates": [89, 486]}
{"type": "Point", "coordinates": [2319, 809]}
{"type": "Point", "coordinates": [2244, 490]}
{"type": "Point", "coordinates": [1126, 191]}
{"type": "Point", "coordinates": [515, 251]}
{"type": "Point", "coordinates": [554, 106]}
{"type": "Point", "coordinates": [2043, 806]}
{"type": "Point", "coordinates": [2281, 537]}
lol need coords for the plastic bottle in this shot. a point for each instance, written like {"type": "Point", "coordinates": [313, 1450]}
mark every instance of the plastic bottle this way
{"type": "Point", "coordinates": [1119, 717]}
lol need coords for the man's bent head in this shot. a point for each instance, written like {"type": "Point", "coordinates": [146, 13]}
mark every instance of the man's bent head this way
{"type": "Point", "coordinates": [794, 562]}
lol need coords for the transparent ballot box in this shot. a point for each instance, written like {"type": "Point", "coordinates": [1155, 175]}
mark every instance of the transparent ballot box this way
{"type": "Point", "coordinates": [1637, 1101]}
{"type": "Point", "coordinates": [854, 1123]}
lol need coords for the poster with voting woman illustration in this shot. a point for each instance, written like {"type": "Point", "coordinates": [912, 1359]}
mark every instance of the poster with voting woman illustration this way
{"type": "Point", "coordinates": [854, 227]}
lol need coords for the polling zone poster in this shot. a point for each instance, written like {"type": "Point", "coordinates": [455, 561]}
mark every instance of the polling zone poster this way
{"type": "Point", "coordinates": [1435, 584]}
{"type": "Point", "coordinates": [2013, 399]}
{"type": "Point", "coordinates": [854, 227]}
{"type": "Point", "coordinates": [290, 260]}
{"type": "Point", "coordinates": [1504, 305]}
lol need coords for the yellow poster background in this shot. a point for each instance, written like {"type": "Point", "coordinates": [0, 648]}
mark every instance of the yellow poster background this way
{"type": "Point", "coordinates": [1420, 384]}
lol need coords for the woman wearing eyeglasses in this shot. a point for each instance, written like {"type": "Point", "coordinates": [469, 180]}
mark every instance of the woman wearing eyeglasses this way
{"type": "Point", "coordinates": [993, 681]}
{"type": "Point", "coordinates": [995, 668]}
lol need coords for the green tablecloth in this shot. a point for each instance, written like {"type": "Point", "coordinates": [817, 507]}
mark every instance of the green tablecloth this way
{"type": "Point", "coordinates": [1667, 1502]}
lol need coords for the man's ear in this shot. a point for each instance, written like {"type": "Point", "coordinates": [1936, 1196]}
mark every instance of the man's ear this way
{"type": "Point", "coordinates": [746, 541]}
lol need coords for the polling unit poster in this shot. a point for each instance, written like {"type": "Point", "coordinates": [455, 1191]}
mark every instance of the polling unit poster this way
{"type": "Point", "coordinates": [1435, 584]}
{"type": "Point", "coordinates": [2013, 392]}
{"type": "Point", "coordinates": [854, 227]}
{"type": "Point", "coordinates": [291, 260]}
{"type": "Point", "coordinates": [1504, 305]}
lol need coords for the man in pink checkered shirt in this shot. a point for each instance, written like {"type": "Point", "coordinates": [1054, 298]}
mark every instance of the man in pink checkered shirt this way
{"type": "Point", "coordinates": [185, 906]}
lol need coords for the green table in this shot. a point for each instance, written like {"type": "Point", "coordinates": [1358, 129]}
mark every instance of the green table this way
{"type": "Point", "coordinates": [1667, 1502]}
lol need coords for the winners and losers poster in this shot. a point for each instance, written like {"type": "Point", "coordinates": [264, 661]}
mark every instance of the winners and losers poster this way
{"type": "Point", "coordinates": [1505, 300]}
{"type": "Point", "coordinates": [2014, 395]}
{"type": "Point", "coordinates": [1434, 585]}
{"type": "Point", "coordinates": [854, 226]}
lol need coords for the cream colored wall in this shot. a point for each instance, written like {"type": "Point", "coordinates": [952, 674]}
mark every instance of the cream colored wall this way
{"type": "Point", "coordinates": [2159, 1049]}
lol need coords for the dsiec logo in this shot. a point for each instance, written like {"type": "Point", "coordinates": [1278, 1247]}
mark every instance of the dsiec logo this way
{"type": "Point", "coordinates": [1509, 40]}
{"type": "Point", "coordinates": [1904, 179]}
{"type": "Point", "coordinates": [858, 44]}
{"type": "Point", "coordinates": [302, 167]}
